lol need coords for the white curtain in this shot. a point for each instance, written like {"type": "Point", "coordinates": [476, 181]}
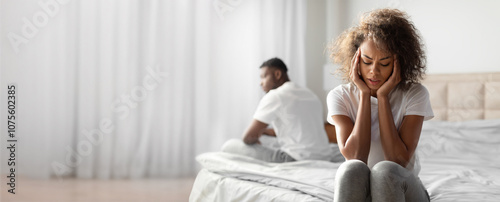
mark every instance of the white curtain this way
{"type": "Point", "coordinates": [133, 89]}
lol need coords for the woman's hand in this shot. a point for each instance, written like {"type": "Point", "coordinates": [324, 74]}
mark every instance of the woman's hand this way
{"type": "Point", "coordinates": [355, 75]}
{"type": "Point", "coordinates": [393, 80]}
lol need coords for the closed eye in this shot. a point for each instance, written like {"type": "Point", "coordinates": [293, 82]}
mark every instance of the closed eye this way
{"type": "Point", "coordinates": [369, 63]}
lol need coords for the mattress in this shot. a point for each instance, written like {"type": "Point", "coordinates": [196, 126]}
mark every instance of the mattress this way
{"type": "Point", "coordinates": [210, 186]}
{"type": "Point", "coordinates": [460, 162]}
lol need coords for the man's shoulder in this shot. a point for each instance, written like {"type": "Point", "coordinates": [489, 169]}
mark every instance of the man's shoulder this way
{"type": "Point", "coordinates": [271, 95]}
{"type": "Point", "coordinates": [295, 90]}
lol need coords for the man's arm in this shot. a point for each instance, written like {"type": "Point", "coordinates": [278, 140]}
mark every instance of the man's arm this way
{"type": "Point", "coordinates": [330, 132]}
{"type": "Point", "coordinates": [254, 131]}
{"type": "Point", "coordinates": [269, 131]}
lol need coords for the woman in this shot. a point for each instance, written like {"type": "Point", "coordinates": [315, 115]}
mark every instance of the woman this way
{"type": "Point", "coordinates": [379, 114]}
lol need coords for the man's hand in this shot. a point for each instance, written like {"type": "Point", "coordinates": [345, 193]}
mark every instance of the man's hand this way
{"type": "Point", "coordinates": [270, 132]}
{"type": "Point", "coordinates": [254, 132]}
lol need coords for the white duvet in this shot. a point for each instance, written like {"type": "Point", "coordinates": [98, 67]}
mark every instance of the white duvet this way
{"type": "Point", "coordinates": [460, 162]}
{"type": "Point", "coordinates": [301, 176]}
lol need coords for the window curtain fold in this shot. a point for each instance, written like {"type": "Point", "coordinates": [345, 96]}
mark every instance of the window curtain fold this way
{"type": "Point", "coordinates": [113, 89]}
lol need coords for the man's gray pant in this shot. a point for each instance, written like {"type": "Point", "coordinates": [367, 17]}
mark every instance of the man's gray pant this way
{"type": "Point", "coordinates": [256, 151]}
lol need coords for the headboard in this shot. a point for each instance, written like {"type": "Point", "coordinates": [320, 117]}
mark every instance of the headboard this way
{"type": "Point", "coordinates": [460, 97]}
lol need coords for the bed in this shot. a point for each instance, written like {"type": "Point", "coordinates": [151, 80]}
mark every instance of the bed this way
{"type": "Point", "coordinates": [458, 150]}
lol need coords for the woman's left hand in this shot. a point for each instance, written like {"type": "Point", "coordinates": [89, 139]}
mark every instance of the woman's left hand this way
{"type": "Point", "coordinates": [393, 80]}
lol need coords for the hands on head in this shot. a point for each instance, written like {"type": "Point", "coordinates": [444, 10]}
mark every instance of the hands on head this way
{"type": "Point", "coordinates": [387, 85]}
{"type": "Point", "coordinates": [355, 74]}
{"type": "Point", "coordinates": [393, 80]}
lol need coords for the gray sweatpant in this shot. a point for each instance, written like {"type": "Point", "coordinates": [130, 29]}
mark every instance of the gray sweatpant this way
{"type": "Point", "coordinates": [386, 181]}
{"type": "Point", "coordinates": [256, 151]}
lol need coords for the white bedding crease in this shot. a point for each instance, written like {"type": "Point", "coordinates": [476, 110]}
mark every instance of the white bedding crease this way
{"type": "Point", "coordinates": [300, 176]}
{"type": "Point", "coordinates": [460, 162]}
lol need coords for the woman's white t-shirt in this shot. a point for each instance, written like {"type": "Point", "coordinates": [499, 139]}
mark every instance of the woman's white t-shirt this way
{"type": "Point", "coordinates": [344, 100]}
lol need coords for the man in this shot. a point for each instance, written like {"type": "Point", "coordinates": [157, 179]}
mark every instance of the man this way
{"type": "Point", "coordinates": [295, 114]}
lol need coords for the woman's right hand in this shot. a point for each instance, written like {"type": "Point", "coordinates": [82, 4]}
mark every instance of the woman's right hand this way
{"type": "Point", "coordinates": [356, 76]}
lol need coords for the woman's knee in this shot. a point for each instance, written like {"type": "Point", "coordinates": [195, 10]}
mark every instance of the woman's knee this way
{"type": "Point", "coordinates": [388, 169]}
{"type": "Point", "coordinates": [352, 181]}
{"type": "Point", "coordinates": [354, 168]}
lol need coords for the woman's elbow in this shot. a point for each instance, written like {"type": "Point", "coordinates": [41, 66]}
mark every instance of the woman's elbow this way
{"type": "Point", "coordinates": [402, 160]}
{"type": "Point", "coordinates": [350, 155]}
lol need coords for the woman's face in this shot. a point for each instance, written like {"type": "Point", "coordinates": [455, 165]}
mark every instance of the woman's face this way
{"type": "Point", "coordinates": [376, 65]}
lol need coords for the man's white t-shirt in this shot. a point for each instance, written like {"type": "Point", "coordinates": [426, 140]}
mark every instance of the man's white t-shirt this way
{"type": "Point", "coordinates": [344, 100]}
{"type": "Point", "coordinates": [296, 113]}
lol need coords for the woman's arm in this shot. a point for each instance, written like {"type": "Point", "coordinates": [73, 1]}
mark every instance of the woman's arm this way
{"type": "Point", "coordinates": [398, 146]}
{"type": "Point", "coordinates": [354, 138]}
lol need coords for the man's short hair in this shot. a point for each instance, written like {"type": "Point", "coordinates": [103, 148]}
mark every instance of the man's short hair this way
{"type": "Point", "coordinates": [275, 63]}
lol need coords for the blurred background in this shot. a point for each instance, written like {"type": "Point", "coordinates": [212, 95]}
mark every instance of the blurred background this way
{"type": "Point", "coordinates": [115, 93]}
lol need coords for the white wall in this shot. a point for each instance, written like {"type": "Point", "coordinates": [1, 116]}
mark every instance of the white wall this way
{"type": "Point", "coordinates": [461, 36]}
{"type": "Point", "coordinates": [315, 47]}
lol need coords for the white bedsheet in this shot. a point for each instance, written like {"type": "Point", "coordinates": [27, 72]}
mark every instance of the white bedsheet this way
{"type": "Point", "coordinates": [212, 187]}
{"type": "Point", "coordinates": [460, 162]}
{"type": "Point", "coordinates": [301, 176]}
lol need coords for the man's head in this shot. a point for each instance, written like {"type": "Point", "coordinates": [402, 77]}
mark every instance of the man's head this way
{"type": "Point", "coordinates": [273, 74]}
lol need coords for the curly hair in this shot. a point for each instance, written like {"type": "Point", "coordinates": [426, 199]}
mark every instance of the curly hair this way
{"type": "Point", "coordinates": [392, 31]}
